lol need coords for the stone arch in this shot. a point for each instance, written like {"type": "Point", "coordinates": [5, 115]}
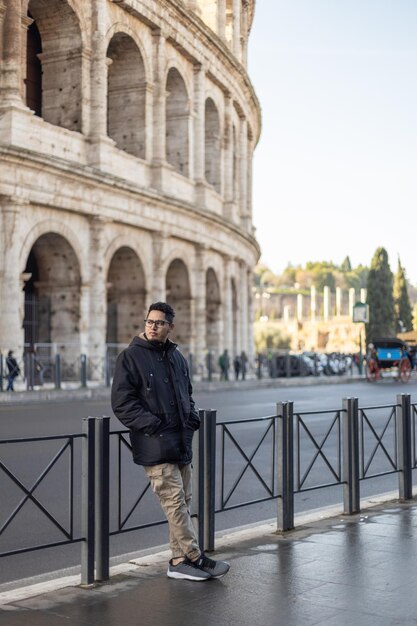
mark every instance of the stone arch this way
{"type": "Point", "coordinates": [126, 296]}
{"type": "Point", "coordinates": [52, 295]}
{"type": "Point", "coordinates": [126, 95]}
{"type": "Point", "coordinates": [213, 313]}
{"type": "Point", "coordinates": [178, 295]}
{"type": "Point", "coordinates": [177, 112]}
{"type": "Point", "coordinates": [212, 144]}
{"type": "Point", "coordinates": [61, 61]}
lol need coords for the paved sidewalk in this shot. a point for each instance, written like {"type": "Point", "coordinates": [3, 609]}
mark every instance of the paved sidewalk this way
{"type": "Point", "coordinates": [359, 570]}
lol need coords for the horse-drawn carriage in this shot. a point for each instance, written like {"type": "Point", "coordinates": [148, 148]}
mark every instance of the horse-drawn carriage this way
{"type": "Point", "coordinates": [389, 355]}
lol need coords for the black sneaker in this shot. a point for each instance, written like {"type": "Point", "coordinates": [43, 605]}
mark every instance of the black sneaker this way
{"type": "Point", "coordinates": [216, 569]}
{"type": "Point", "coordinates": [187, 570]}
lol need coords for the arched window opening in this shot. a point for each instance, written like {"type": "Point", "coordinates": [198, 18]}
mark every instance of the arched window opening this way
{"type": "Point", "coordinates": [126, 96]}
{"type": "Point", "coordinates": [33, 79]}
{"type": "Point", "coordinates": [52, 300]}
{"type": "Point", "coordinates": [212, 145]}
{"type": "Point", "coordinates": [177, 122]}
{"type": "Point", "coordinates": [61, 60]}
{"type": "Point", "coordinates": [126, 297]}
{"type": "Point", "coordinates": [178, 295]}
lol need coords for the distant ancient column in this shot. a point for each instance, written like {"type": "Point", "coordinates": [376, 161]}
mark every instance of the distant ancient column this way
{"type": "Point", "coordinates": [326, 303]}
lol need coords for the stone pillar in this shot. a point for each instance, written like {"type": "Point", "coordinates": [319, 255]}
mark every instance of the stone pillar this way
{"type": "Point", "coordinates": [338, 302]}
{"type": "Point", "coordinates": [98, 83]}
{"type": "Point", "coordinates": [242, 290]}
{"type": "Point", "coordinates": [199, 137]}
{"type": "Point", "coordinates": [94, 315]}
{"type": "Point", "coordinates": [243, 172]}
{"type": "Point", "coordinates": [286, 313]}
{"type": "Point", "coordinates": [158, 280]}
{"type": "Point", "coordinates": [363, 295]}
{"type": "Point", "coordinates": [245, 33]}
{"type": "Point", "coordinates": [237, 50]}
{"type": "Point", "coordinates": [11, 280]}
{"type": "Point", "coordinates": [227, 313]}
{"type": "Point", "coordinates": [221, 18]}
{"type": "Point", "coordinates": [352, 298]}
{"type": "Point", "coordinates": [200, 322]}
{"type": "Point", "coordinates": [300, 307]}
{"type": "Point", "coordinates": [159, 94]}
{"type": "Point", "coordinates": [229, 206]}
{"type": "Point", "coordinates": [26, 22]}
{"type": "Point", "coordinates": [313, 303]}
{"type": "Point", "coordinates": [326, 303]}
{"type": "Point", "coordinates": [249, 157]}
{"type": "Point", "coordinates": [11, 79]}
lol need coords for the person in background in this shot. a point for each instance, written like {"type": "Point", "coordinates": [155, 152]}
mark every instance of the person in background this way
{"type": "Point", "coordinates": [13, 370]}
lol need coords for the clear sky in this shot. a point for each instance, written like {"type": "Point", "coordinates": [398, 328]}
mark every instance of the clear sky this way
{"type": "Point", "coordinates": [335, 171]}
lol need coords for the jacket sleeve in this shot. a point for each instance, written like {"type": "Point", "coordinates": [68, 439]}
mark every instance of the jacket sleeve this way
{"type": "Point", "coordinates": [125, 398]}
{"type": "Point", "coordinates": [194, 418]}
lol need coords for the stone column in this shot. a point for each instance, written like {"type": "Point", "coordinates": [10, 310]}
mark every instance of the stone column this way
{"type": "Point", "coordinates": [93, 334]}
{"type": "Point", "coordinates": [251, 317]}
{"type": "Point", "coordinates": [249, 157]}
{"type": "Point", "coordinates": [98, 83]}
{"type": "Point", "coordinates": [243, 172]}
{"type": "Point", "coordinates": [245, 33]}
{"type": "Point", "coordinates": [363, 295]}
{"type": "Point", "coordinates": [11, 79]}
{"type": "Point", "coordinates": [221, 18]}
{"type": "Point", "coordinates": [200, 309]}
{"type": "Point", "coordinates": [326, 303]}
{"type": "Point", "coordinates": [227, 313]}
{"type": "Point", "coordinates": [158, 280]}
{"type": "Point", "coordinates": [11, 279]}
{"type": "Point", "coordinates": [199, 136]}
{"type": "Point", "coordinates": [26, 22]}
{"type": "Point", "coordinates": [159, 94]}
{"type": "Point", "coordinates": [228, 188]}
{"type": "Point", "coordinates": [237, 50]}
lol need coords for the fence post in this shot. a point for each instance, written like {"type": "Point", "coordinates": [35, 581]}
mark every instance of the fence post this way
{"type": "Point", "coordinates": [83, 370]}
{"type": "Point", "coordinates": [102, 497]}
{"type": "Point", "coordinates": [57, 371]}
{"type": "Point", "coordinates": [197, 501]}
{"type": "Point", "coordinates": [209, 478]}
{"type": "Point", "coordinates": [404, 443]}
{"type": "Point", "coordinates": [1, 372]}
{"type": "Point", "coordinates": [87, 501]}
{"type": "Point", "coordinates": [285, 466]}
{"type": "Point", "coordinates": [351, 489]}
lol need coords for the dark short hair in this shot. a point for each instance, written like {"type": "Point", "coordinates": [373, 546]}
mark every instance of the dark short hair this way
{"type": "Point", "coordinates": [165, 308]}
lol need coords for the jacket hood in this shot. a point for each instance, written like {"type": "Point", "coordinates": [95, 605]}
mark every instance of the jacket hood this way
{"type": "Point", "coordinates": [141, 342]}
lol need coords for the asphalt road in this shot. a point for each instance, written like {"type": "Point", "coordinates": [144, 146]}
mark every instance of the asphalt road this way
{"type": "Point", "coordinates": [27, 462]}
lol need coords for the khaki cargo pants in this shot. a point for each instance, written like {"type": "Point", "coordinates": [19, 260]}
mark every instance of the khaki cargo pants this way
{"type": "Point", "coordinates": [172, 484]}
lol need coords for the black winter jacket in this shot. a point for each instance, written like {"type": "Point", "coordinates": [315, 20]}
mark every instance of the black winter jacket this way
{"type": "Point", "coordinates": [152, 396]}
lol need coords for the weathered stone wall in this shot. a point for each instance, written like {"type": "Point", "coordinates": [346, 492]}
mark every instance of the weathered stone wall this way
{"type": "Point", "coordinates": [129, 180]}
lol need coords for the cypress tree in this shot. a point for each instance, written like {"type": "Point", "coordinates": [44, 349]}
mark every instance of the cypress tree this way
{"type": "Point", "coordinates": [380, 298]}
{"type": "Point", "coordinates": [403, 311]}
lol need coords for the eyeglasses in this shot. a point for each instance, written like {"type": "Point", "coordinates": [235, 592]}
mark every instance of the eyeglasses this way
{"type": "Point", "coordinates": [158, 323]}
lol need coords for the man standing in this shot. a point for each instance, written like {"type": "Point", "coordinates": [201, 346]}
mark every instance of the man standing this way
{"type": "Point", "coordinates": [152, 396]}
{"type": "Point", "coordinates": [13, 369]}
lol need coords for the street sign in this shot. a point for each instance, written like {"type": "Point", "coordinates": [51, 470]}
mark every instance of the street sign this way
{"type": "Point", "coordinates": [361, 312]}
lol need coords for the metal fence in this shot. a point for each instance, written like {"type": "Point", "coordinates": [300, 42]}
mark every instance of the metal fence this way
{"type": "Point", "coordinates": [236, 464]}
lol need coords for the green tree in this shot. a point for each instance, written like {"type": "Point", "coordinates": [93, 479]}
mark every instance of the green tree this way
{"type": "Point", "coordinates": [380, 298]}
{"type": "Point", "coordinates": [403, 311]}
{"type": "Point", "coordinates": [346, 265]}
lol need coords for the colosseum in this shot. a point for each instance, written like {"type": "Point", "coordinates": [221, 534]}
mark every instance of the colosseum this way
{"type": "Point", "coordinates": [127, 131]}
